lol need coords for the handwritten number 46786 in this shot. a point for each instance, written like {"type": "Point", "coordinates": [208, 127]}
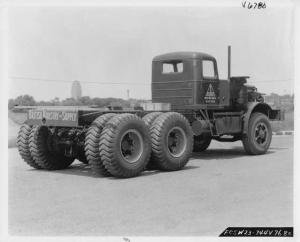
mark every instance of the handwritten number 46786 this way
{"type": "Point", "coordinates": [254, 5]}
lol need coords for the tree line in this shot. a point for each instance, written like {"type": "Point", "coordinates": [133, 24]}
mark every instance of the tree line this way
{"type": "Point", "coordinates": [27, 100]}
{"type": "Point", "coordinates": [281, 101]}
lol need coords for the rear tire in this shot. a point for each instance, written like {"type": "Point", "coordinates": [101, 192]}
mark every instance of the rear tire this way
{"type": "Point", "coordinates": [172, 141]}
{"type": "Point", "coordinates": [23, 146]}
{"type": "Point", "coordinates": [125, 145]}
{"type": "Point", "coordinates": [149, 119]}
{"type": "Point", "coordinates": [201, 142]}
{"type": "Point", "coordinates": [259, 135]}
{"type": "Point", "coordinates": [91, 146]}
{"type": "Point", "coordinates": [40, 152]}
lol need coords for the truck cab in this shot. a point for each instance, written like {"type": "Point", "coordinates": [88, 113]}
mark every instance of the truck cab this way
{"type": "Point", "coordinates": [188, 80]}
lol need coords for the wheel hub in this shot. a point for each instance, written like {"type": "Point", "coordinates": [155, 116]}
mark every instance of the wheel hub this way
{"type": "Point", "coordinates": [261, 133]}
{"type": "Point", "coordinates": [176, 141]}
{"type": "Point", "coordinates": [131, 145]}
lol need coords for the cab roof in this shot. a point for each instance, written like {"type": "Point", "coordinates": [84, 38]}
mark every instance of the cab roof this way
{"type": "Point", "coordinates": [182, 55]}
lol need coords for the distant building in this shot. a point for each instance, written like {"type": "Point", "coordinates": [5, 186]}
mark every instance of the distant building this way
{"type": "Point", "coordinates": [76, 90]}
{"type": "Point", "coordinates": [283, 102]}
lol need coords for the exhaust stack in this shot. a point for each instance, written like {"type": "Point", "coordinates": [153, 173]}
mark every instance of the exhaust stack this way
{"type": "Point", "coordinates": [229, 62]}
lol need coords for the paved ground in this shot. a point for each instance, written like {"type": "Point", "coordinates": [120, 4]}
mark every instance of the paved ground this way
{"type": "Point", "coordinates": [219, 188]}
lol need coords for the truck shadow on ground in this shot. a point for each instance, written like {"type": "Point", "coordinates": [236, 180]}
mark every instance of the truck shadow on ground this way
{"type": "Point", "coordinates": [209, 154]}
{"type": "Point", "coordinates": [80, 169]}
{"type": "Point", "coordinates": [234, 152]}
{"type": "Point", "coordinates": [224, 154]}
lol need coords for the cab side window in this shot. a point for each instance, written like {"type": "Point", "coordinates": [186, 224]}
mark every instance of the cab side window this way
{"type": "Point", "coordinates": [208, 69]}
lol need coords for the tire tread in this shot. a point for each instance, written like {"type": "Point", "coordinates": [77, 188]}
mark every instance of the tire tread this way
{"type": "Point", "coordinates": [91, 146]}
{"type": "Point", "coordinates": [246, 140]}
{"type": "Point", "coordinates": [108, 146]}
{"type": "Point", "coordinates": [23, 146]}
{"type": "Point", "coordinates": [41, 155]}
{"type": "Point", "coordinates": [157, 138]}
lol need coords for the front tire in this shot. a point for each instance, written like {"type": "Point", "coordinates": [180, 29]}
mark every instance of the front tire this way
{"type": "Point", "coordinates": [42, 155]}
{"type": "Point", "coordinates": [172, 141]}
{"type": "Point", "coordinates": [259, 135]}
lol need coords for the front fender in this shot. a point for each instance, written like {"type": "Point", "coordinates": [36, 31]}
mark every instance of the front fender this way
{"type": "Point", "coordinates": [272, 114]}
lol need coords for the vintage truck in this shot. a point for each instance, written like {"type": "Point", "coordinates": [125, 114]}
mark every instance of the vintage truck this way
{"type": "Point", "coordinates": [121, 143]}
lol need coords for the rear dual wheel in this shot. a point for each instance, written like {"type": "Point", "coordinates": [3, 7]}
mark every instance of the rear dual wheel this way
{"type": "Point", "coordinates": [33, 146]}
{"type": "Point", "coordinates": [126, 142]}
{"type": "Point", "coordinates": [41, 152]}
{"type": "Point", "coordinates": [172, 141]}
{"type": "Point", "coordinates": [91, 146]}
{"type": "Point", "coordinates": [23, 146]}
{"type": "Point", "coordinates": [149, 119]}
{"type": "Point", "coordinates": [125, 145]}
{"type": "Point", "coordinates": [117, 144]}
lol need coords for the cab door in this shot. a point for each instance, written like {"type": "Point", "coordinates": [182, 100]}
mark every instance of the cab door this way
{"type": "Point", "coordinates": [210, 82]}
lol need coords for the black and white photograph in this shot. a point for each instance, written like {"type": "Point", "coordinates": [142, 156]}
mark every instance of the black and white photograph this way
{"type": "Point", "coordinates": [131, 120]}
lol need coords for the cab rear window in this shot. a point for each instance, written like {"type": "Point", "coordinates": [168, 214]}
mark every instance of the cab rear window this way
{"type": "Point", "coordinates": [172, 67]}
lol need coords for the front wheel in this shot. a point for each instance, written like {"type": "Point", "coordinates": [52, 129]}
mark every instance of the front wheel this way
{"type": "Point", "coordinates": [259, 135]}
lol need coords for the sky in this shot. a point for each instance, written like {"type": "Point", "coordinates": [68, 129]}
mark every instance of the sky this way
{"type": "Point", "coordinates": [106, 45]}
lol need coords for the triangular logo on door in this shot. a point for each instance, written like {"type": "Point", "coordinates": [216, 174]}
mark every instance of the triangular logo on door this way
{"type": "Point", "coordinates": [210, 91]}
